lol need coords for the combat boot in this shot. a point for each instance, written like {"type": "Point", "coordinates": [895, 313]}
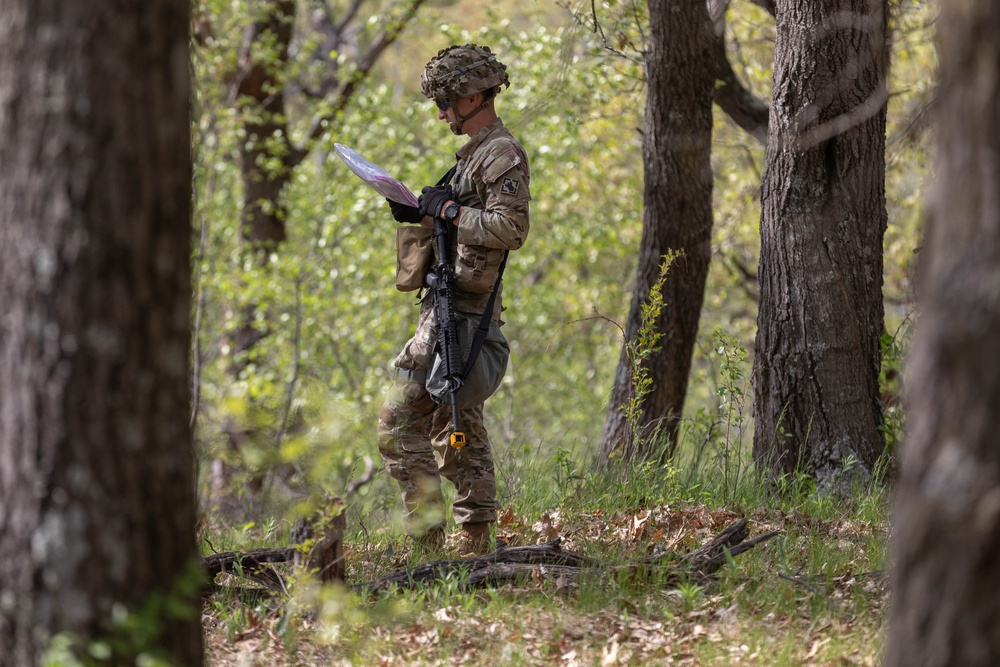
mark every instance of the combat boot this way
{"type": "Point", "coordinates": [476, 537]}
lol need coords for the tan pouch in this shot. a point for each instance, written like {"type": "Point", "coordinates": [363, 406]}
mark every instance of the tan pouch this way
{"type": "Point", "coordinates": [476, 268]}
{"type": "Point", "coordinates": [414, 253]}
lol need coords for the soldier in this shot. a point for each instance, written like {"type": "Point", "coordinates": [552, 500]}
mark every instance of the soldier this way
{"type": "Point", "coordinates": [486, 206]}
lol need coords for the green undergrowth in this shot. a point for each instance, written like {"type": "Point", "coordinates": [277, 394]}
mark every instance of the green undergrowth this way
{"type": "Point", "coordinates": [812, 594]}
{"type": "Point", "coordinates": [815, 594]}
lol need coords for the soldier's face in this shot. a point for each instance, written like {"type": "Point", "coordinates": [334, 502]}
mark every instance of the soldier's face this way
{"type": "Point", "coordinates": [446, 110]}
{"type": "Point", "coordinates": [447, 114]}
{"type": "Point", "coordinates": [464, 106]}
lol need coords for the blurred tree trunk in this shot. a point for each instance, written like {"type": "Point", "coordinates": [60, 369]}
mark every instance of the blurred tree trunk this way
{"type": "Point", "coordinates": [816, 369]}
{"type": "Point", "coordinates": [97, 504]}
{"type": "Point", "coordinates": [677, 204]}
{"type": "Point", "coordinates": [947, 513]}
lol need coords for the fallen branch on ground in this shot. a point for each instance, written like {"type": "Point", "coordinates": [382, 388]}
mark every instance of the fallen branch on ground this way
{"type": "Point", "coordinates": [512, 564]}
{"type": "Point", "coordinates": [250, 564]}
{"type": "Point", "coordinates": [549, 560]}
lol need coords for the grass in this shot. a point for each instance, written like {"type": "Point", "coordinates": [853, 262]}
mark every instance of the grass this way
{"type": "Point", "coordinates": [816, 595]}
{"type": "Point", "coordinates": [813, 596]}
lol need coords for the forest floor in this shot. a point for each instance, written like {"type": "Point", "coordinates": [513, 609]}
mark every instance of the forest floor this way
{"type": "Point", "coordinates": [814, 595]}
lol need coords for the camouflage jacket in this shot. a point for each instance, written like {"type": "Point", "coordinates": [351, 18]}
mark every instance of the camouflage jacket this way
{"type": "Point", "coordinates": [491, 185]}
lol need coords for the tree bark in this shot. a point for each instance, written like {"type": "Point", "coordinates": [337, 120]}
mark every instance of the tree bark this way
{"type": "Point", "coordinates": [677, 201]}
{"type": "Point", "coordinates": [947, 513]}
{"type": "Point", "coordinates": [816, 399]}
{"type": "Point", "coordinates": [319, 542]}
{"type": "Point", "coordinates": [96, 472]}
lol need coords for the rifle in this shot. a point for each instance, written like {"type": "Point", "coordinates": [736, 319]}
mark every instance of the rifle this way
{"type": "Point", "coordinates": [441, 281]}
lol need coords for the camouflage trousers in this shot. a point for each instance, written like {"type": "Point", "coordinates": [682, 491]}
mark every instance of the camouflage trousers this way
{"type": "Point", "coordinates": [413, 439]}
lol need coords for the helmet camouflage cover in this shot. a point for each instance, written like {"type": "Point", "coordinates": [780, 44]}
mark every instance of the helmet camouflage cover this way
{"type": "Point", "coordinates": [460, 71]}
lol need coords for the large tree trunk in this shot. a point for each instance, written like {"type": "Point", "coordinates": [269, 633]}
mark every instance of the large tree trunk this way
{"type": "Point", "coordinates": [947, 515]}
{"type": "Point", "coordinates": [96, 492]}
{"type": "Point", "coordinates": [677, 216]}
{"type": "Point", "coordinates": [816, 399]}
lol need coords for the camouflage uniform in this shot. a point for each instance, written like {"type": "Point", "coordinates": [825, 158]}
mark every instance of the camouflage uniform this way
{"type": "Point", "coordinates": [491, 185]}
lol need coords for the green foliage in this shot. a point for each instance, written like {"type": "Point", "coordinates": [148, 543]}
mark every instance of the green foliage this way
{"type": "Point", "coordinates": [893, 350]}
{"type": "Point", "coordinates": [818, 571]}
{"type": "Point", "coordinates": [307, 399]}
{"type": "Point", "coordinates": [824, 569]}
{"type": "Point", "coordinates": [324, 302]}
{"type": "Point", "coordinates": [719, 437]}
{"type": "Point", "coordinates": [733, 392]}
{"type": "Point", "coordinates": [637, 351]}
{"type": "Point", "coordinates": [689, 594]}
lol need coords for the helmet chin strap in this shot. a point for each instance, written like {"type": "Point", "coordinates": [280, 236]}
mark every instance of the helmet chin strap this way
{"type": "Point", "coordinates": [460, 119]}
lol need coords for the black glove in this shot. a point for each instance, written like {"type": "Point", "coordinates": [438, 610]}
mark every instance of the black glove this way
{"type": "Point", "coordinates": [434, 198]}
{"type": "Point", "coordinates": [404, 212]}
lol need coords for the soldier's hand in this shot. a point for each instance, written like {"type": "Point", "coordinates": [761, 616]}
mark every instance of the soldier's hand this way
{"type": "Point", "coordinates": [404, 212]}
{"type": "Point", "coordinates": [434, 198]}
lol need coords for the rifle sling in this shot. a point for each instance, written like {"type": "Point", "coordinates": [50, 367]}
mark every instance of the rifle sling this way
{"type": "Point", "coordinates": [446, 179]}
{"type": "Point", "coordinates": [484, 323]}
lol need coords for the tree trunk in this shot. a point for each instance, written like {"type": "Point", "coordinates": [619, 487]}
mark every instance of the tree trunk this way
{"type": "Point", "coordinates": [266, 153]}
{"type": "Point", "coordinates": [96, 473]}
{"type": "Point", "coordinates": [947, 515]}
{"type": "Point", "coordinates": [319, 542]}
{"type": "Point", "coordinates": [816, 399]}
{"type": "Point", "coordinates": [677, 216]}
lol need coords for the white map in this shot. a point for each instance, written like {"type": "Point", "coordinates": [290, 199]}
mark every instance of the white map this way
{"type": "Point", "coordinates": [375, 176]}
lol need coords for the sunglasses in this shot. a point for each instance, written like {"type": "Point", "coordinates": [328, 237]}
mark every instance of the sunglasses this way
{"type": "Point", "coordinates": [443, 105]}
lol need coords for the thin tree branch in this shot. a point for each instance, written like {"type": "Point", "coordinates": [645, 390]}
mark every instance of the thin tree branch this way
{"type": "Point", "coordinates": [796, 580]}
{"type": "Point", "coordinates": [515, 563]}
{"type": "Point", "coordinates": [297, 362]}
{"type": "Point", "coordinates": [196, 361]}
{"type": "Point", "coordinates": [747, 110]}
{"type": "Point", "coordinates": [638, 26]}
{"type": "Point", "coordinates": [359, 483]}
{"type": "Point", "coordinates": [349, 15]}
{"type": "Point", "coordinates": [347, 90]}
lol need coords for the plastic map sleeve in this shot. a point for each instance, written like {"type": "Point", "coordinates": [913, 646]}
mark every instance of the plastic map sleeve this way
{"type": "Point", "coordinates": [375, 176]}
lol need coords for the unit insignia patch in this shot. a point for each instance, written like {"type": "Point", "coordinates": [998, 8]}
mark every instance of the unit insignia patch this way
{"type": "Point", "coordinates": [509, 186]}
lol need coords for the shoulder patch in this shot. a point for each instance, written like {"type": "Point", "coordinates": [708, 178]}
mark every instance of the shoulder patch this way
{"type": "Point", "coordinates": [510, 186]}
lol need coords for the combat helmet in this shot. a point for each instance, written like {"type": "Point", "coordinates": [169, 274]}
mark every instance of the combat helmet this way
{"type": "Point", "coordinates": [460, 71]}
